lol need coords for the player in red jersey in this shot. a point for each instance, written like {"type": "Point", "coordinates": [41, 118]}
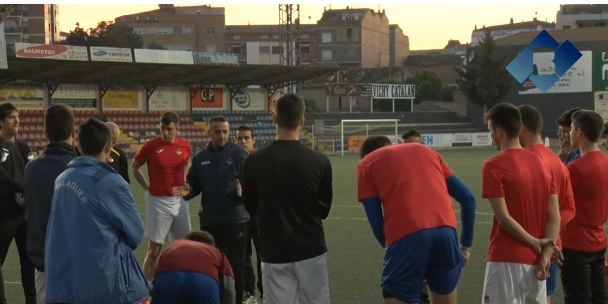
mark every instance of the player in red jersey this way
{"type": "Point", "coordinates": [526, 215]}
{"type": "Point", "coordinates": [530, 138]}
{"type": "Point", "coordinates": [168, 160]}
{"type": "Point", "coordinates": [584, 237]}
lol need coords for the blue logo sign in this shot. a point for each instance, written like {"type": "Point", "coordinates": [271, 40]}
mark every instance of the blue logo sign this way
{"type": "Point", "coordinates": [522, 67]}
{"type": "Point", "coordinates": [100, 53]}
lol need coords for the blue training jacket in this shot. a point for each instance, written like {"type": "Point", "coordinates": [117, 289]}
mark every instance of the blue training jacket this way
{"type": "Point", "coordinates": [93, 229]}
{"type": "Point", "coordinates": [214, 174]}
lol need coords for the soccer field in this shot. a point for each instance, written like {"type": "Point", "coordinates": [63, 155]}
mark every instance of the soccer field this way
{"type": "Point", "coordinates": [354, 257]}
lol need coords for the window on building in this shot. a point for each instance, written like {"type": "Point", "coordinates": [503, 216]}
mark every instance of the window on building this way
{"type": "Point", "coordinates": [210, 30]}
{"type": "Point", "coordinates": [305, 49]}
{"type": "Point", "coordinates": [326, 37]}
{"type": "Point", "coordinates": [326, 55]}
{"type": "Point", "coordinates": [264, 49]}
{"type": "Point", "coordinates": [236, 50]}
{"type": "Point", "coordinates": [236, 37]}
{"type": "Point", "coordinates": [187, 30]}
{"type": "Point", "coordinates": [304, 36]}
{"type": "Point", "coordinates": [147, 18]}
{"type": "Point", "coordinates": [349, 34]}
{"type": "Point", "coordinates": [136, 18]}
{"type": "Point", "coordinates": [276, 50]}
{"type": "Point", "coordinates": [566, 27]}
{"type": "Point", "coordinates": [211, 49]}
{"type": "Point", "coordinates": [264, 36]}
{"type": "Point", "coordinates": [139, 30]}
{"type": "Point", "coordinates": [275, 36]}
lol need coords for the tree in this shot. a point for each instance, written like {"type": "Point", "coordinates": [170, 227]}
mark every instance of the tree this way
{"type": "Point", "coordinates": [484, 80]}
{"type": "Point", "coordinates": [105, 34]}
{"type": "Point", "coordinates": [153, 45]}
{"type": "Point", "coordinates": [310, 105]}
{"type": "Point", "coordinates": [428, 85]}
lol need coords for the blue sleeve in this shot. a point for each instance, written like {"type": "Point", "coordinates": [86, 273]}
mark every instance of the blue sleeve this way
{"type": "Point", "coordinates": [123, 214]}
{"type": "Point", "coordinates": [463, 195]}
{"type": "Point", "coordinates": [373, 210]}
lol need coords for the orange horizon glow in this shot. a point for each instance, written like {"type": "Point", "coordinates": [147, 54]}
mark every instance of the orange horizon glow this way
{"type": "Point", "coordinates": [428, 26]}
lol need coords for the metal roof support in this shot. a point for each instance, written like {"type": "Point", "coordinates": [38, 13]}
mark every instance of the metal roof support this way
{"type": "Point", "coordinates": [51, 88]}
{"type": "Point", "coordinates": [149, 91]}
{"type": "Point", "coordinates": [233, 89]}
{"type": "Point", "coordinates": [103, 88]}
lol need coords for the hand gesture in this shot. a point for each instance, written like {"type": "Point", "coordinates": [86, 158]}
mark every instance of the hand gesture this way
{"type": "Point", "coordinates": [182, 190]}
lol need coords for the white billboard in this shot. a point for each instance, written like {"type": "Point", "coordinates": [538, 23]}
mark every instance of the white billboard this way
{"type": "Point", "coordinates": [51, 51]}
{"type": "Point", "coordinates": [601, 104]}
{"type": "Point", "coordinates": [576, 79]}
{"type": "Point", "coordinates": [163, 56]}
{"type": "Point", "coordinates": [169, 99]}
{"type": "Point", "coordinates": [102, 53]}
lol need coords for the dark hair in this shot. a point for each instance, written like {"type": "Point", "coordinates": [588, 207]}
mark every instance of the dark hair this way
{"type": "Point", "coordinates": [590, 123]}
{"type": "Point", "coordinates": [59, 122]}
{"type": "Point", "coordinates": [373, 143]}
{"type": "Point", "coordinates": [411, 133]}
{"type": "Point", "coordinates": [93, 136]}
{"type": "Point", "coordinates": [242, 128]}
{"type": "Point", "coordinates": [201, 236]}
{"type": "Point", "coordinates": [217, 119]}
{"type": "Point", "coordinates": [505, 116]}
{"type": "Point", "coordinates": [289, 110]}
{"type": "Point", "coordinates": [169, 117]}
{"type": "Point", "coordinates": [531, 118]}
{"type": "Point", "coordinates": [565, 120]}
{"type": "Point", "coordinates": [6, 109]}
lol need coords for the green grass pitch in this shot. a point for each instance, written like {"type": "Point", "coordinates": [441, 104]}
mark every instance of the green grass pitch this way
{"type": "Point", "coordinates": [354, 257]}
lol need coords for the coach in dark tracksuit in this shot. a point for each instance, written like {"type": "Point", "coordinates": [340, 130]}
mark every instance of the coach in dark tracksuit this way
{"type": "Point", "coordinates": [215, 175]}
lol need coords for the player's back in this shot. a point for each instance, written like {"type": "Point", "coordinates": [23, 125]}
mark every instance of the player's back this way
{"type": "Point", "coordinates": [410, 182]}
{"type": "Point", "coordinates": [290, 181]}
{"type": "Point", "coordinates": [520, 178]}
{"type": "Point", "coordinates": [562, 181]}
{"type": "Point", "coordinates": [589, 176]}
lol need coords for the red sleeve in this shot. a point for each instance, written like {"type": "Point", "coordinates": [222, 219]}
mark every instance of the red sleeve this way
{"type": "Point", "coordinates": [567, 207]}
{"type": "Point", "coordinates": [227, 271]}
{"type": "Point", "coordinates": [492, 183]}
{"type": "Point", "coordinates": [553, 187]}
{"type": "Point", "coordinates": [365, 185]}
{"type": "Point", "coordinates": [142, 155]}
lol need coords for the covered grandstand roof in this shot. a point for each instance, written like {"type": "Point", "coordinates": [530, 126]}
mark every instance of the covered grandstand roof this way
{"type": "Point", "coordinates": [152, 74]}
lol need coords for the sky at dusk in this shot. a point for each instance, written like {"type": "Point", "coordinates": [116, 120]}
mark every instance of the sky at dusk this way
{"type": "Point", "coordinates": [428, 26]}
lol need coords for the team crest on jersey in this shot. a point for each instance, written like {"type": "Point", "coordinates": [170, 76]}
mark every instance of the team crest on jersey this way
{"type": "Point", "coordinates": [159, 151]}
{"type": "Point", "coordinates": [229, 161]}
{"type": "Point", "coordinates": [179, 151]}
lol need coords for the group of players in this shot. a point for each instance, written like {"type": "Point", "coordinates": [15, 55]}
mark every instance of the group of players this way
{"type": "Point", "coordinates": [549, 210]}
{"type": "Point", "coordinates": [76, 224]}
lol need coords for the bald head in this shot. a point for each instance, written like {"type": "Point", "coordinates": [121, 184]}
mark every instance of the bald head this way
{"type": "Point", "coordinates": [114, 130]}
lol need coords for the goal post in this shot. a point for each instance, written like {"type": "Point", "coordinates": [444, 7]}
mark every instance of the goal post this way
{"type": "Point", "coordinates": [395, 122]}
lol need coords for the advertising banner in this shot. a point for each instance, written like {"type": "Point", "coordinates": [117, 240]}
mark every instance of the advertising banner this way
{"type": "Point", "coordinates": [169, 99]}
{"type": "Point", "coordinates": [462, 140]}
{"type": "Point", "coordinates": [76, 96]}
{"type": "Point", "coordinates": [206, 99]}
{"type": "Point", "coordinates": [215, 58]}
{"type": "Point", "coordinates": [393, 91]}
{"type": "Point", "coordinates": [249, 100]}
{"type": "Point", "coordinates": [51, 51]}
{"type": "Point", "coordinates": [576, 79]}
{"type": "Point", "coordinates": [23, 97]}
{"type": "Point", "coordinates": [163, 56]}
{"type": "Point", "coordinates": [482, 139]}
{"type": "Point", "coordinates": [102, 53]}
{"type": "Point", "coordinates": [601, 104]}
{"type": "Point", "coordinates": [355, 142]}
{"type": "Point", "coordinates": [600, 70]}
{"type": "Point", "coordinates": [123, 99]}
